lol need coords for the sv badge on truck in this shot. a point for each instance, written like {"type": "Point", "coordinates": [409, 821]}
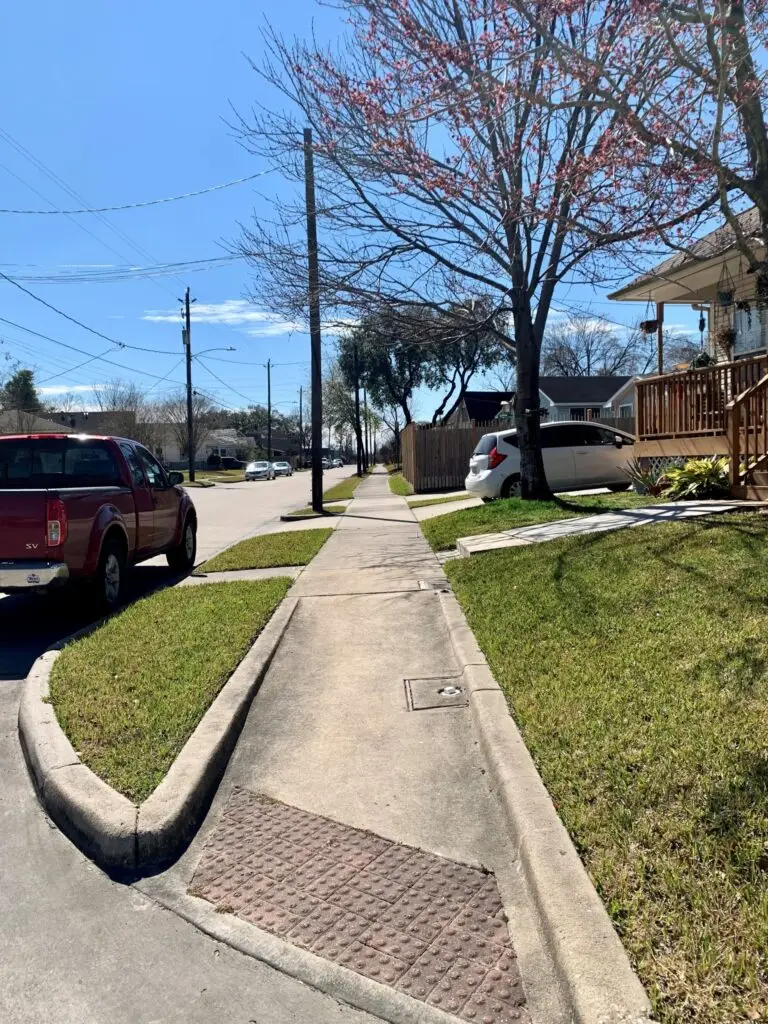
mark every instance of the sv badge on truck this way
{"type": "Point", "coordinates": [32, 547]}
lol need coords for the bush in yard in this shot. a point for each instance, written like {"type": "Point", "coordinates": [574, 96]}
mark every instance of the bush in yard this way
{"type": "Point", "coordinates": [647, 480]}
{"type": "Point", "coordinates": [699, 478]}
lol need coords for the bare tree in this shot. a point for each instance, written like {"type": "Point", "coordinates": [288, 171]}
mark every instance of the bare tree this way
{"type": "Point", "coordinates": [174, 413]}
{"type": "Point", "coordinates": [134, 417]}
{"type": "Point", "coordinates": [584, 346]}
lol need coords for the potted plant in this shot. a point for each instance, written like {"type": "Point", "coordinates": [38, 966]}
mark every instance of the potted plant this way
{"type": "Point", "coordinates": [726, 337]}
{"type": "Point", "coordinates": [649, 326]}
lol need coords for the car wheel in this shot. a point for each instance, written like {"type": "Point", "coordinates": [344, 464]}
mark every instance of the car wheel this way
{"type": "Point", "coordinates": [617, 488]}
{"type": "Point", "coordinates": [182, 557]}
{"type": "Point", "coordinates": [511, 486]}
{"type": "Point", "coordinates": [108, 583]}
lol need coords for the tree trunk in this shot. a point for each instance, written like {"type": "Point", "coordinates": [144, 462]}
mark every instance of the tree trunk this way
{"type": "Point", "coordinates": [533, 481]}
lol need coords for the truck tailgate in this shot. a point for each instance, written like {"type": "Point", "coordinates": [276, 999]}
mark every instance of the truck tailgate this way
{"type": "Point", "coordinates": [22, 524]}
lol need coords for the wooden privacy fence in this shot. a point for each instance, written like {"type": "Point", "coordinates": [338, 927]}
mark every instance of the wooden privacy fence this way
{"type": "Point", "coordinates": [436, 458]}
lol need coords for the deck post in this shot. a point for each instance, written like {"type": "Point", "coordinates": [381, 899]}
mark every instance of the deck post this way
{"type": "Point", "coordinates": [734, 430]}
{"type": "Point", "coordinates": [660, 334]}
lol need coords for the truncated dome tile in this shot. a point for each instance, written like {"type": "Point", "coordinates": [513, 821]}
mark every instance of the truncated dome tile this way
{"type": "Point", "coordinates": [457, 985]}
{"type": "Point", "coordinates": [372, 963]}
{"type": "Point", "coordinates": [431, 928]}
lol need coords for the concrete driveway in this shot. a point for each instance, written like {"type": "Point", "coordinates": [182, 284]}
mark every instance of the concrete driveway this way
{"type": "Point", "coordinates": [76, 947]}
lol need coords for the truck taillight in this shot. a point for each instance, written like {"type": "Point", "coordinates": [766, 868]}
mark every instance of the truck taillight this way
{"type": "Point", "coordinates": [495, 458]}
{"type": "Point", "coordinates": [55, 522]}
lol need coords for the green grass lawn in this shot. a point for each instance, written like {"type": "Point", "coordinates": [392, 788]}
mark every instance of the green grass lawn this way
{"type": "Point", "coordinates": [269, 550]}
{"type": "Point", "coordinates": [343, 489]}
{"type": "Point", "coordinates": [399, 485]}
{"type": "Point", "coordinates": [507, 514]}
{"type": "Point", "coordinates": [217, 476]}
{"type": "Point", "coordinates": [335, 510]}
{"type": "Point", "coordinates": [130, 695]}
{"type": "Point", "coordinates": [421, 502]}
{"type": "Point", "coordinates": [636, 665]}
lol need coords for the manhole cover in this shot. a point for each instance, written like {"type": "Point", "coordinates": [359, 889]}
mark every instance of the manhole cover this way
{"type": "Point", "coordinates": [441, 585]}
{"type": "Point", "coordinates": [435, 692]}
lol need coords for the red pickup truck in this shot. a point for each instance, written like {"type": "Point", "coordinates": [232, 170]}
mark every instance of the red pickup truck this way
{"type": "Point", "coordinates": [86, 508]}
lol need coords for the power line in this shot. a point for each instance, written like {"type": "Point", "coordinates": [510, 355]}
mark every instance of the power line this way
{"type": "Point", "coordinates": [148, 202]}
{"type": "Point", "coordinates": [72, 369]}
{"type": "Point", "coordinates": [223, 382]}
{"type": "Point", "coordinates": [58, 180]}
{"type": "Point", "coordinates": [74, 320]}
{"type": "Point", "coordinates": [80, 351]}
{"type": "Point", "coordinates": [111, 274]}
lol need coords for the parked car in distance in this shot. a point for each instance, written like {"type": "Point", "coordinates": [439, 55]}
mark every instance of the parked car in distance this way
{"type": "Point", "coordinates": [326, 462]}
{"type": "Point", "coordinates": [577, 454]}
{"type": "Point", "coordinates": [337, 463]}
{"type": "Point", "coordinates": [227, 462]}
{"type": "Point", "coordinates": [86, 508]}
{"type": "Point", "coordinates": [259, 471]}
{"type": "Point", "coordinates": [282, 469]}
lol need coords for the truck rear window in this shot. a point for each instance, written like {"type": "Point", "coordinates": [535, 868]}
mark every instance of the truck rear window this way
{"type": "Point", "coordinates": [56, 462]}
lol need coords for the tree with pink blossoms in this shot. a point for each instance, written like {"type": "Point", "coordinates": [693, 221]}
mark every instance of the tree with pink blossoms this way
{"type": "Point", "coordinates": [686, 82]}
{"type": "Point", "coordinates": [457, 158]}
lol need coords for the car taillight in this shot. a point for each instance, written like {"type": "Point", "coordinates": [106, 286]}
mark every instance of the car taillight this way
{"type": "Point", "coordinates": [495, 458]}
{"type": "Point", "coordinates": [55, 522]}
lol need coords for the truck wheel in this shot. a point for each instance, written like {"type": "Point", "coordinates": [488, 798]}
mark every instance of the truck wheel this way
{"type": "Point", "coordinates": [108, 584]}
{"type": "Point", "coordinates": [182, 558]}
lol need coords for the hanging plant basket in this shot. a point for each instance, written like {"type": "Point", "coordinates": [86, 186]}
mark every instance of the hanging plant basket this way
{"type": "Point", "coordinates": [649, 326]}
{"type": "Point", "coordinates": [725, 288]}
{"type": "Point", "coordinates": [744, 306]}
{"type": "Point", "coordinates": [726, 338]}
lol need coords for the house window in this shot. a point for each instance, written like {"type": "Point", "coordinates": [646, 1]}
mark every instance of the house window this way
{"type": "Point", "coordinates": [625, 412]}
{"type": "Point", "coordinates": [576, 414]}
{"type": "Point", "coordinates": [750, 331]}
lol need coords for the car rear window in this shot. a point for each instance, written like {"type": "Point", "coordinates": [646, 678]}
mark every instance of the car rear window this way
{"type": "Point", "coordinates": [57, 462]}
{"type": "Point", "coordinates": [485, 445]}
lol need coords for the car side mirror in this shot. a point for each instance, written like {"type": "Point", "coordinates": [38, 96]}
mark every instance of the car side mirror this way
{"type": "Point", "coordinates": [175, 479]}
{"type": "Point", "coordinates": [618, 441]}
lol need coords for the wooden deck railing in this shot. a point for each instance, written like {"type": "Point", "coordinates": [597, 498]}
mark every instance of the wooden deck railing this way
{"type": "Point", "coordinates": [748, 431]}
{"type": "Point", "coordinates": [694, 403]}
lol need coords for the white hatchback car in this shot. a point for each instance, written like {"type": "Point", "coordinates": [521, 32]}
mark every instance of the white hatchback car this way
{"type": "Point", "coordinates": [577, 454]}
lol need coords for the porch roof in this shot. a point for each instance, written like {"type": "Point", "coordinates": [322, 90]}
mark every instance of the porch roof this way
{"type": "Point", "coordinates": [690, 276]}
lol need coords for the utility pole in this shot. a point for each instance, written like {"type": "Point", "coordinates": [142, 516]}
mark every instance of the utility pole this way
{"type": "Point", "coordinates": [301, 428]}
{"type": "Point", "coordinates": [269, 410]}
{"type": "Point", "coordinates": [314, 324]}
{"type": "Point", "coordinates": [186, 335]}
{"type": "Point", "coordinates": [367, 437]}
{"type": "Point", "coordinates": [358, 431]}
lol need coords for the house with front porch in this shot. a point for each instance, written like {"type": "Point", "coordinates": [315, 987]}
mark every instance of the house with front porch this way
{"type": "Point", "coordinates": [720, 408]}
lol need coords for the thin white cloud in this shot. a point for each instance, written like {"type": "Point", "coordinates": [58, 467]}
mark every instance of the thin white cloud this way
{"type": "Point", "coordinates": [240, 312]}
{"type": "Point", "coordinates": [234, 312]}
{"type": "Point", "coordinates": [66, 389]}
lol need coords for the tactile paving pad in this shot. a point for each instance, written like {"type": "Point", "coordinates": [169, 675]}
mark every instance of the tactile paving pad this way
{"type": "Point", "coordinates": [426, 926]}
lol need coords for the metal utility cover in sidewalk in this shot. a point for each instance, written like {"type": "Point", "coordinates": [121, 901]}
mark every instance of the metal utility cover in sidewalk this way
{"type": "Point", "coordinates": [435, 692]}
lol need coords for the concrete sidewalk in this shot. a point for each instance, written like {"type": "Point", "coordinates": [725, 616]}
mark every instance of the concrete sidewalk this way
{"type": "Point", "coordinates": [671, 512]}
{"type": "Point", "coordinates": [331, 733]}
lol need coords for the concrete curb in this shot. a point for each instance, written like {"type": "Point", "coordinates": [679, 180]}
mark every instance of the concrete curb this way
{"type": "Point", "coordinates": [103, 823]}
{"type": "Point", "coordinates": [589, 958]}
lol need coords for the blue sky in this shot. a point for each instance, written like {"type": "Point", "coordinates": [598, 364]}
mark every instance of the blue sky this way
{"type": "Point", "coordinates": [126, 103]}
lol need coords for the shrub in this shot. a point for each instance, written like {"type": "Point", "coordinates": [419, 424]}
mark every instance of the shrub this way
{"type": "Point", "coordinates": [698, 478]}
{"type": "Point", "coordinates": [646, 481]}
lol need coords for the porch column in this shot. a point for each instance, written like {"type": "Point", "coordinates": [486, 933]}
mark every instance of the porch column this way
{"type": "Point", "coordinates": [660, 334]}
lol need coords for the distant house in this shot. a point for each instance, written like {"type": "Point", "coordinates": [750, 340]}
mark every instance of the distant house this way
{"type": "Point", "coordinates": [587, 398]}
{"type": "Point", "coordinates": [479, 407]}
{"type": "Point", "coordinates": [562, 398]}
{"type": "Point", "coordinates": [113, 422]}
{"type": "Point", "coordinates": [14, 421]}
